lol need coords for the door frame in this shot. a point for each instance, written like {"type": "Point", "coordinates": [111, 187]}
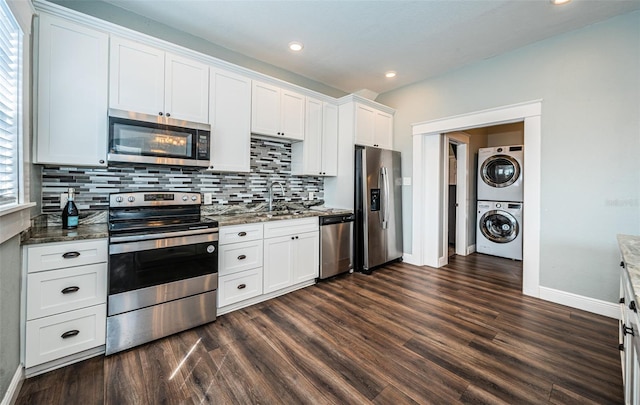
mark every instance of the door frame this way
{"type": "Point", "coordinates": [461, 140]}
{"type": "Point", "coordinates": [428, 171]}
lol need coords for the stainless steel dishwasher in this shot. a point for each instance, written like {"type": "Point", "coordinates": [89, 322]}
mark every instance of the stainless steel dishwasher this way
{"type": "Point", "coordinates": [336, 244]}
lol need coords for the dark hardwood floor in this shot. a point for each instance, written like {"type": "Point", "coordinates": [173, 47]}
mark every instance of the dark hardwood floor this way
{"type": "Point", "coordinates": [403, 335]}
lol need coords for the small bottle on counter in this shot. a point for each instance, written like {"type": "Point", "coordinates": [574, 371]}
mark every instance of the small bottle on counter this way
{"type": "Point", "coordinates": [70, 212]}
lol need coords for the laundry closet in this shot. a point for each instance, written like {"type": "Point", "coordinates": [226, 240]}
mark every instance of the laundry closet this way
{"type": "Point", "coordinates": [496, 190]}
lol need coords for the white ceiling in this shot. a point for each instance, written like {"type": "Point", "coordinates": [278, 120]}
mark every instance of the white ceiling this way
{"type": "Point", "coordinates": [349, 45]}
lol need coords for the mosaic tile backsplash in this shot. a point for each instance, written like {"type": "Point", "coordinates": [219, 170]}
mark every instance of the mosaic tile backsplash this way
{"type": "Point", "coordinates": [270, 161]}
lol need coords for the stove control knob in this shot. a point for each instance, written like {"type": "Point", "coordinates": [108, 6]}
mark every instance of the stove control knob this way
{"type": "Point", "coordinates": [211, 249]}
{"type": "Point", "coordinates": [193, 198]}
{"type": "Point", "coordinates": [184, 198]}
{"type": "Point", "coordinates": [119, 199]}
{"type": "Point", "coordinates": [131, 199]}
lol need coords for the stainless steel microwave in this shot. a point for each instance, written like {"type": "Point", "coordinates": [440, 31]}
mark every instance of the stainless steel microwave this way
{"type": "Point", "coordinates": [160, 140]}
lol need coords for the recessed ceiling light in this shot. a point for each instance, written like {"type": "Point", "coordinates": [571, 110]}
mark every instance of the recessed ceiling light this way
{"type": "Point", "coordinates": [559, 2]}
{"type": "Point", "coordinates": [390, 74]}
{"type": "Point", "coordinates": [295, 46]}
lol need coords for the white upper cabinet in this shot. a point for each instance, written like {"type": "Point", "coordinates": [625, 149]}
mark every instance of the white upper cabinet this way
{"type": "Point", "coordinates": [277, 112]}
{"type": "Point", "coordinates": [230, 119]}
{"type": "Point", "coordinates": [373, 127]}
{"type": "Point", "coordinates": [186, 84]}
{"type": "Point", "coordinates": [72, 76]}
{"type": "Point", "coordinates": [329, 139]}
{"type": "Point", "coordinates": [147, 80]}
{"type": "Point", "coordinates": [317, 155]}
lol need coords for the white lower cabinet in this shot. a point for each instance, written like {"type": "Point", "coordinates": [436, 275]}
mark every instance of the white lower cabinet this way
{"type": "Point", "coordinates": [56, 336]}
{"type": "Point", "coordinates": [291, 253]}
{"type": "Point", "coordinates": [239, 286]}
{"type": "Point", "coordinates": [65, 300]}
{"type": "Point", "coordinates": [239, 263]}
{"type": "Point", "coordinates": [261, 261]}
{"type": "Point", "coordinates": [629, 340]}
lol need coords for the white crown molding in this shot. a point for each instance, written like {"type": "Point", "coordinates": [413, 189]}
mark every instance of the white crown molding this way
{"type": "Point", "coordinates": [114, 29]}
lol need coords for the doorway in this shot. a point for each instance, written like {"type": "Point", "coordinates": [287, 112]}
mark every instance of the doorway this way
{"type": "Point", "coordinates": [428, 247]}
{"type": "Point", "coordinates": [455, 203]}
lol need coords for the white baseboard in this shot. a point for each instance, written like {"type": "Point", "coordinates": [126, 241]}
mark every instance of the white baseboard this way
{"type": "Point", "coordinates": [593, 305]}
{"type": "Point", "coordinates": [14, 388]}
{"type": "Point", "coordinates": [411, 259]}
{"type": "Point", "coordinates": [471, 249]}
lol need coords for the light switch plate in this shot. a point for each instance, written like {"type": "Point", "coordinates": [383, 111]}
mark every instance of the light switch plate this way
{"type": "Point", "coordinates": [208, 198]}
{"type": "Point", "coordinates": [311, 195]}
{"type": "Point", "coordinates": [64, 197]}
{"type": "Point", "coordinates": [406, 181]}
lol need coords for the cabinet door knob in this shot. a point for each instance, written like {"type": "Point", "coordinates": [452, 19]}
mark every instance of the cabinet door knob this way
{"type": "Point", "coordinates": [632, 306]}
{"type": "Point", "coordinates": [70, 290]}
{"type": "Point", "coordinates": [242, 233]}
{"type": "Point", "coordinates": [101, 161]}
{"type": "Point", "coordinates": [242, 257]}
{"type": "Point", "coordinates": [292, 238]}
{"type": "Point", "coordinates": [70, 333]}
{"type": "Point", "coordinates": [296, 237]}
{"type": "Point", "coordinates": [160, 113]}
{"type": "Point", "coordinates": [242, 286]}
{"type": "Point", "coordinates": [70, 255]}
{"type": "Point", "coordinates": [622, 264]}
{"type": "Point", "coordinates": [168, 115]}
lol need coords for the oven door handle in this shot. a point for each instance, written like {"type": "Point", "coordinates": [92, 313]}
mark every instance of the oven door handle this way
{"type": "Point", "coordinates": [163, 235]}
{"type": "Point", "coordinates": [136, 246]}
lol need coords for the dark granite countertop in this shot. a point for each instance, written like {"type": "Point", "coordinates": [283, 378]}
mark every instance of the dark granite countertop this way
{"type": "Point", "coordinates": [48, 234]}
{"type": "Point", "coordinates": [44, 232]}
{"type": "Point", "coordinates": [265, 216]}
{"type": "Point", "coordinates": [630, 249]}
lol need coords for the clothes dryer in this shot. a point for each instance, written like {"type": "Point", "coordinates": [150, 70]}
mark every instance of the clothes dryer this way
{"type": "Point", "coordinates": [499, 230]}
{"type": "Point", "coordinates": [500, 176]}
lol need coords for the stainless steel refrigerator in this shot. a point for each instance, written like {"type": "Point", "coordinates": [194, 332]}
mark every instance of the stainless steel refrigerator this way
{"type": "Point", "coordinates": [378, 208]}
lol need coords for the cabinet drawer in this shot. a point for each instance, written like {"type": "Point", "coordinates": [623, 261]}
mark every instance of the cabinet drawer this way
{"type": "Point", "coordinates": [240, 256]}
{"type": "Point", "coordinates": [240, 233]}
{"type": "Point", "coordinates": [61, 335]}
{"type": "Point", "coordinates": [65, 254]}
{"type": "Point", "coordinates": [290, 227]}
{"type": "Point", "coordinates": [240, 286]}
{"type": "Point", "coordinates": [57, 291]}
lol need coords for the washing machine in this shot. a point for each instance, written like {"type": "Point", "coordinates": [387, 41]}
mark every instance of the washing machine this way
{"type": "Point", "coordinates": [500, 173]}
{"type": "Point", "coordinates": [499, 231]}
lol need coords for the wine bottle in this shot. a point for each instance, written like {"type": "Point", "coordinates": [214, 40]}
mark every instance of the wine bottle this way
{"type": "Point", "coordinates": [70, 212]}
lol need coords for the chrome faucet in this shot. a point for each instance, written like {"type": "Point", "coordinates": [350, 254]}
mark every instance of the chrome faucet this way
{"type": "Point", "coordinates": [271, 193]}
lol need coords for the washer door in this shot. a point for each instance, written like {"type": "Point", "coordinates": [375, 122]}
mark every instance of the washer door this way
{"type": "Point", "coordinates": [500, 171]}
{"type": "Point", "coordinates": [499, 226]}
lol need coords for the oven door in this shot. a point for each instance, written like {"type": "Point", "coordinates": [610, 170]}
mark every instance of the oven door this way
{"type": "Point", "coordinates": [149, 272]}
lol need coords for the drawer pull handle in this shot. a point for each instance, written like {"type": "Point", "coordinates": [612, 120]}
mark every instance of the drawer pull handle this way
{"type": "Point", "coordinates": [242, 233]}
{"type": "Point", "coordinates": [70, 333]}
{"type": "Point", "coordinates": [70, 290]}
{"type": "Point", "coordinates": [242, 257]}
{"type": "Point", "coordinates": [242, 286]}
{"type": "Point", "coordinates": [71, 255]}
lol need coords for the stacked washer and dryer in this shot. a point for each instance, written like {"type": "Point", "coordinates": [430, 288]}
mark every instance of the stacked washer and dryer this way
{"type": "Point", "coordinates": [500, 197]}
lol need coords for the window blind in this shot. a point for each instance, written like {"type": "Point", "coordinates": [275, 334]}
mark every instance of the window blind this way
{"type": "Point", "coordinates": [10, 85]}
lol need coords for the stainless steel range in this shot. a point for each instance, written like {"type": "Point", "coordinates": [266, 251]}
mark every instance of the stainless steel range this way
{"type": "Point", "coordinates": [163, 267]}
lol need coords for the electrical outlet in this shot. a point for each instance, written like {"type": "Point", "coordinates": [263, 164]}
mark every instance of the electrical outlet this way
{"type": "Point", "coordinates": [64, 197]}
{"type": "Point", "coordinates": [311, 196]}
{"type": "Point", "coordinates": [208, 198]}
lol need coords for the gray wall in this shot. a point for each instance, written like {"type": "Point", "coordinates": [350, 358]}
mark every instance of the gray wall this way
{"type": "Point", "coordinates": [124, 18]}
{"type": "Point", "coordinates": [9, 311]}
{"type": "Point", "coordinates": [589, 82]}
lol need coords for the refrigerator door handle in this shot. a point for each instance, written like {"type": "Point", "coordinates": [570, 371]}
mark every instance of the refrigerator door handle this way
{"type": "Point", "coordinates": [385, 194]}
{"type": "Point", "coordinates": [365, 210]}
